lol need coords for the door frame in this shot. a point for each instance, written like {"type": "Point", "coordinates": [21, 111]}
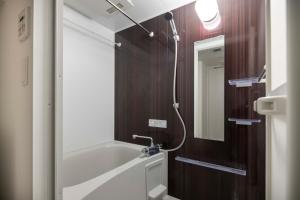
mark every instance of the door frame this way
{"type": "Point", "coordinates": [58, 82]}
{"type": "Point", "coordinates": [43, 100]}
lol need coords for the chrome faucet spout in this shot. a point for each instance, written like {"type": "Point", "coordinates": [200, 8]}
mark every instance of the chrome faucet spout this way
{"type": "Point", "coordinates": [144, 137]}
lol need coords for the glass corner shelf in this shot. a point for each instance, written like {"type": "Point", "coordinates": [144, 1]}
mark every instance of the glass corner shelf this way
{"type": "Point", "coordinates": [244, 122]}
{"type": "Point", "coordinates": [244, 82]}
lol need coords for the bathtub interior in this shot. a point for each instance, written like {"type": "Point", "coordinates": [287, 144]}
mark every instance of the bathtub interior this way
{"type": "Point", "coordinates": [144, 175]}
{"type": "Point", "coordinates": [82, 166]}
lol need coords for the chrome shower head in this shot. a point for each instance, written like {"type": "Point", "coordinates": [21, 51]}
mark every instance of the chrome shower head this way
{"type": "Point", "coordinates": [169, 17]}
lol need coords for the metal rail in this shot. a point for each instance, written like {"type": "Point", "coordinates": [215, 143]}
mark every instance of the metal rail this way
{"type": "Point", "coordinates": [212, 166]}
{"type": "Point", "coordinates": [150, 33]}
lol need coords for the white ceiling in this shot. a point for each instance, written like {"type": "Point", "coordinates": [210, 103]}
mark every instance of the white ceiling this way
{"type": "Point", "coordinates": [141, 11]}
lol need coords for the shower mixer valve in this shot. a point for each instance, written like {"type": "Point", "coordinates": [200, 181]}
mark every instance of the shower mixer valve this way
{"type": "Point", "coordinates": [152, 149]}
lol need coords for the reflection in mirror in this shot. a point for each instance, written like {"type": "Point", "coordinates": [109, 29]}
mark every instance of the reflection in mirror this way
{"type": "Point", "coordinates": [209, 89]}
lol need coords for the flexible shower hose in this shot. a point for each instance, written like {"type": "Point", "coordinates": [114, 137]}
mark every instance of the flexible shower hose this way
{"type": "Point", "coordinates": [175, 104]}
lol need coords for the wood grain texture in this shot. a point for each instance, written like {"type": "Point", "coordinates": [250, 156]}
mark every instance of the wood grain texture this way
{"type": "Point", "coordinates": [144, 72]}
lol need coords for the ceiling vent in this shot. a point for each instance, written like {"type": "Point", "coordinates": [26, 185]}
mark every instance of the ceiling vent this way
{"type": "Point", "coordinates": [97, 9]}
{"type": "Point", "coordinates": [111, 10]}
{"type": "Point", "coordinates": [122, 4]}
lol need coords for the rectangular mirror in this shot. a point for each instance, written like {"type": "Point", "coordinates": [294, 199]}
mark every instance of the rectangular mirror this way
{"type": "Point", "coordinates": [209, 89]}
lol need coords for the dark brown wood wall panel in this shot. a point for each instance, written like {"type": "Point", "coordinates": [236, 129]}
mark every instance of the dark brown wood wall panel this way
{"type": "Point", "coordinates": [144, 73]}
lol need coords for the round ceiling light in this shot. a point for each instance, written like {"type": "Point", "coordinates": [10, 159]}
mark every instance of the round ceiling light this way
{"type": "Point", "coordinates": [208, 12]}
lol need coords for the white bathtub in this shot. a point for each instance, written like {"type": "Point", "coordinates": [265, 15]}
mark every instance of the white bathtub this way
{"type": "Point", "coordinates": [112, 171]}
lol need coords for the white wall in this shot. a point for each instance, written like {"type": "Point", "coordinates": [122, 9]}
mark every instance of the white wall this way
{"type": "Point", "coordinates": [277, 124]}
{"type": "Point", "coordinates": [15, 107]}
{"type": "Point", "coordinates": [88, 83]}
{"type": "Point", "coordinates": [284, 130]}
{"type": "Point", "coordinates": [293, 60]}
{"type": "Point", "coordinates": [279, 43]}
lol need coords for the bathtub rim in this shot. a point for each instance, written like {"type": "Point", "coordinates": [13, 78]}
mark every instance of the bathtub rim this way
{"type": "Point", "coordinates": [102, 145]}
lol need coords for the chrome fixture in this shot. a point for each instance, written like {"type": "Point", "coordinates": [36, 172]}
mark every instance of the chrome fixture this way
{"type": "Point", "coordinates": [144, 137]}
{"type": "Point", "coordinates": [150, 33]}
{"type": "Point", "coordinates": [152, 149]}
{"type": "Point", "coordinates": [262, 75]}
{"type": "Point", "coordinates": [169, 17]}
{"type": "Point", "coordinates": [221, 168]}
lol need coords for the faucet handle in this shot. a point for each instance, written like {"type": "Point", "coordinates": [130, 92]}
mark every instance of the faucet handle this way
{"type": "Point", "coordinates": [145, 150]}
{"type": "Point", "coordinates": [150, 151]}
